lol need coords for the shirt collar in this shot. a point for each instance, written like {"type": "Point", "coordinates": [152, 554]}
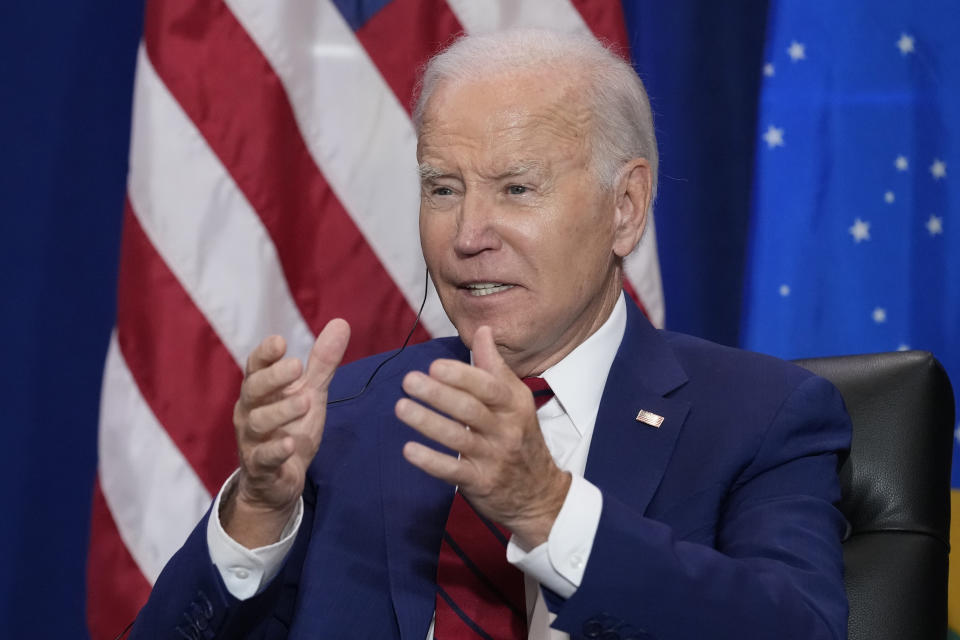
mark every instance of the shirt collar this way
{"type": "Point", "coordinates": [579, 379]}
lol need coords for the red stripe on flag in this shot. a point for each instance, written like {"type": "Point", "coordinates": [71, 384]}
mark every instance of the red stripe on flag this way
{"type": "Point", "coordinates": [185, 374]}
{"type": "Point", "coordinates": [605, 19]}
{"type": "Point", "coordinates": [402, 36]}
{"type": "Point", "coordinates": [229, 90]}
{"type": "Point", "coordinates": [115, 587]}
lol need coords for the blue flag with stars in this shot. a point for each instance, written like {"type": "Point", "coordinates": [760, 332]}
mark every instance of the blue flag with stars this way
{"type": "Point", "coordinates": [855, 239]}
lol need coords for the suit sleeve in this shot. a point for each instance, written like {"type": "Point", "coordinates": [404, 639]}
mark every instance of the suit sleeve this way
{"type": "Point", "coordinates": [776, 570]}
{"type": "Point", "coordinates": [190, 600]}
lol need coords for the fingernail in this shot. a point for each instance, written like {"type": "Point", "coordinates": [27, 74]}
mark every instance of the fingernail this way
{"type": "Point", "coordinates": [413, 381]}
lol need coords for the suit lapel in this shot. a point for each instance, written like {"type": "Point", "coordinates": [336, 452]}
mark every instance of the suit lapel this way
{"type": "Point", "coordinates": [628, 458]}
{"type": "Point", "coordinates": [415, 508]}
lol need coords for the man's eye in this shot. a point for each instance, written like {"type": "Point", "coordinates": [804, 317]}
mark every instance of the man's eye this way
{"type": "Point", "coordinates": [442, 191]}
{"type": "Point", "coordinates": [517, 189]}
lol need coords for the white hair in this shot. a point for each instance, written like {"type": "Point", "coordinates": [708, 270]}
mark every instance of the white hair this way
{"type": "Point", "coordinates": [622, 123]}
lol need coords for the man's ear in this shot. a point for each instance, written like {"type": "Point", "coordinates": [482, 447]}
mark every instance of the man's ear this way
{"type": "Point", "coordinates": [632, 194]}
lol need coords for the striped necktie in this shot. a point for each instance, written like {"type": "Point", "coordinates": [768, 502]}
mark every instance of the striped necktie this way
{"type": "Point", "coordinates": [479, 593]}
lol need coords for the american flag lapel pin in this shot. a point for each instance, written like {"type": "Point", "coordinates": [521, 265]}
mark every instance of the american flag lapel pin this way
{"type": "Point", "coordinates": [650, 418]}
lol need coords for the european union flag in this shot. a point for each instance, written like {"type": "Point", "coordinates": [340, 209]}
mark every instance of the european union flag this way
{"type": "Point", "coordinates": [855, 243]}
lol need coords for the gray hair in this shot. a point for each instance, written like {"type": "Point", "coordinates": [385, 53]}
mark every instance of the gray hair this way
{"type": "Point", "coordinates": [622, 120]}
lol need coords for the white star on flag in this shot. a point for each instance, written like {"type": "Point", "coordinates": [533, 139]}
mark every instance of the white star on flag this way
{"type": "Point", "coordinates": [773, 137]}
{"type": "Point", "coordinates": [938, 169]}
{"type": "Point", "coordinates": [768, 70]}
{"type": "Point", "coordinates": [860, 213]}
{"type": "Point", "coordinates": [860, 230]}
{"type": "Point", "coordinates": [784, 290]}
{"type": "Point", "coordinates": [797, 51]}
{"type": "Point", "coordinates": [903, 347]}
{"type": "Point", "coordinates": [905, 44]}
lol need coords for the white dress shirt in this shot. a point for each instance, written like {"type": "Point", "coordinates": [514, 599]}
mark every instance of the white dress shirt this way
{"type": "Point", "coordinates": [567, 423]}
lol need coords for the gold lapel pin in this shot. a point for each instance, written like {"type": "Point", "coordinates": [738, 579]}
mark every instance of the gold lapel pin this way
{"type": "Point", "coordinates": [650, 418]}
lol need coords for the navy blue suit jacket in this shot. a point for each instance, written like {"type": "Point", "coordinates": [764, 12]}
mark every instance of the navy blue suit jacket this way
{"type": "Point", "coordinates": [721, 523]}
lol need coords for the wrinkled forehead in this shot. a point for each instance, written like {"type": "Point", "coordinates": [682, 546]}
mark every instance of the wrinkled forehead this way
{"type": "Point", "coordinates": [507, 109]}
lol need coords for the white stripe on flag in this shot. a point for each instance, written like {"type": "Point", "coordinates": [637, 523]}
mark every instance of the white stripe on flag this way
{"type": "Point", "coordinates": [204, 228]}
{"type": "Point", "coordinates": [153, 493]}
{"type": "Point", "coordinates": [484, 16]}
{"type": "Point", "coordinates": [642, 268]}
{"type": "Point", "coordinates": [357, 132]}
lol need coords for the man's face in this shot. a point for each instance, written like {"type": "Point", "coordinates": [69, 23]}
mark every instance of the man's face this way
{"type": "Point", "coordinates": [516, 230]}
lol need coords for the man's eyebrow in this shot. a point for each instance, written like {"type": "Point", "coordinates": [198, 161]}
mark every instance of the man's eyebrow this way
{"type": "Point", "coordinates": [429, 172]}
{"type": "Point", "coordinates": [519, 169]}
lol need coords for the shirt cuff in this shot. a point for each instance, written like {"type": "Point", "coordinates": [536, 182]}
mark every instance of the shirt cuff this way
{"type": "Point", "coordinates": [245, 571]}
{"type": "Point", "coordinates": [560, 562]}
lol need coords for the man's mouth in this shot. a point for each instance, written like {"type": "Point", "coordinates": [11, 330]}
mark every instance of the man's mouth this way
{"type": "Point", "coordinates": [486, 288]}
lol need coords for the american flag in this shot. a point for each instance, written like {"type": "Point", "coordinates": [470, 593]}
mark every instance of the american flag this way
{"type": "Point", "coordinates": [272, 186]}
{"type": "Point", "coordinates": [856, 222]}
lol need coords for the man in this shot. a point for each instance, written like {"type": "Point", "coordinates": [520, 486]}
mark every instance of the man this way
{"type": "Point", "coordinates": [670, 488]}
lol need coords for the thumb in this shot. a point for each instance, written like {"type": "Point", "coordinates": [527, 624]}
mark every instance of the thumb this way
{"type": "Point", "coordinates": [325, 356]}
{"type": "Point", "coordinates": [485, 354]}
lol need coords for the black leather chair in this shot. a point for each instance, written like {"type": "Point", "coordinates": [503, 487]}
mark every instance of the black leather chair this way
{"type": "Point", "coordinates": [896, 491]}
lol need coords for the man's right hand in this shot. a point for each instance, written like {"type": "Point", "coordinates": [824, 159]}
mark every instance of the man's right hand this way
{"type": "Point", "coordinates": [279, 421]}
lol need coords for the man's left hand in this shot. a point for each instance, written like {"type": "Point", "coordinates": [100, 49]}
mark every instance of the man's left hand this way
{"type": "Point", "coordinates": [504, 469]}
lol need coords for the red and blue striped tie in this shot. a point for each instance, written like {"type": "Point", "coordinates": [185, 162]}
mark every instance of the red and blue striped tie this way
{"type": "Point", "coordinates": [480, 594]}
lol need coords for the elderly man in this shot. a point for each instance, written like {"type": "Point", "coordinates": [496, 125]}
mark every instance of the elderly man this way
{"type": "Point", "coordinates": [652, 485]}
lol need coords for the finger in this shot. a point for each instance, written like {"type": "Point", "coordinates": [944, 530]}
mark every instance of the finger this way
{"type": "Point", "coordinates": [478, 383]}
{"type": "Point", "coordinates": [263, 383]}
{"type": "Point", "coordinates": [438, 465]}
{"type": "Point", "coordinates": [266, 353]}
{"type": "Point", "coordinates": [487, 358]}
{"type": "Point", "coordinates": [459, 404]}
{"type": "Point", "coordinates": [325, 356]}
{"type": "Point", "coordinates": [431, 424]}
{"type": "Point", "coordinates": [265, 419]}
{"type": "Point", "coordinates": [268, 456]}
{"type": "Point", "coordinates": [485, 354]}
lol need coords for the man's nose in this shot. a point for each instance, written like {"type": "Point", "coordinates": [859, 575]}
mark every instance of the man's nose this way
{"type": "Point", "coordinates": [476, 226]}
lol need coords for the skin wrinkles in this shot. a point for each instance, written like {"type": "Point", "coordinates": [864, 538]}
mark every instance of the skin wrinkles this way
{"type": "Point", "coordinates": [428, 172]}
{"type": "Point", "coordinates": [564, 119]}
{"type": "Point", "coordinates": [533, 176]}
{"type": "Point", "coordinates": [472, 134]}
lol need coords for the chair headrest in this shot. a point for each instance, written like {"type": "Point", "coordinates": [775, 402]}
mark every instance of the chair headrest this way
{"type": "Point", "coordinates": [897, 477]}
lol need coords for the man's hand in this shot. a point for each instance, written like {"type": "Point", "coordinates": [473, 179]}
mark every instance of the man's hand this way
{"type": "Point", "coordinates": [504, 468]}
{"type": "Point", "coordinates": [279, 421]}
